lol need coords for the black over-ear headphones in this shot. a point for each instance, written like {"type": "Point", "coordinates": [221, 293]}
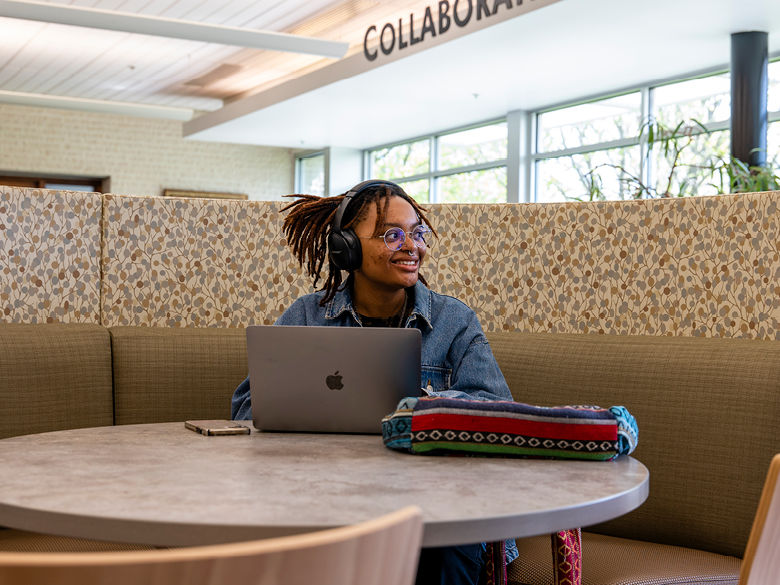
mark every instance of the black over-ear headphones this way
{"type": "Point", "coordinates": [344, 248]}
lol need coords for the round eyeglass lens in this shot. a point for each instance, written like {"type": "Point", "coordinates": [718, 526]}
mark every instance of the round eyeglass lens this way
{"type": "Point", "coordinates": [422, 237]}
{"type": "Point", "coordinates": [394, 238]}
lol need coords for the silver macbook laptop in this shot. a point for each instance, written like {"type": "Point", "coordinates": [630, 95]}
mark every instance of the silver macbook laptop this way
{"type": "Point", "coordinates": [330, 379]}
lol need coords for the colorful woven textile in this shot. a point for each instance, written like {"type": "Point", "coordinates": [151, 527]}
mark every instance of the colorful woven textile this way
{"type": "Point", "coordinates": [567, 560]}
{"type": "Point", "coordinates": [494, 571]}
{"type": "Point", "coordinates": [439, 425]}
{"type": "Point", "coordinates": [453, 425]}
{"type": "Point", "coordinates": [567, 557]}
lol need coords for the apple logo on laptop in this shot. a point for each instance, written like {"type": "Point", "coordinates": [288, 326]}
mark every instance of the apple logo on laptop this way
{"type": "Point", "coordinates": [334, 381]}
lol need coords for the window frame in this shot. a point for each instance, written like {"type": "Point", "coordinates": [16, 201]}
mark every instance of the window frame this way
{"type": "Point", "coordinates": [40, 181]}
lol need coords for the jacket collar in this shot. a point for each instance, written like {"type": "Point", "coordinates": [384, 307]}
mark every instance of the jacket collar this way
{"type": "Point", "coordinates": [342, 303]}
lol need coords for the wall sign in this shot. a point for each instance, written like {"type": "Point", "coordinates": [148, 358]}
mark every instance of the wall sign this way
{"type": "Point", "coordinates": [434, 22]}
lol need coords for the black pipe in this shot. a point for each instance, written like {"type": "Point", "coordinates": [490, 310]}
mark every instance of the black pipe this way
{"type": "Point", "coordinates": [749, 83]}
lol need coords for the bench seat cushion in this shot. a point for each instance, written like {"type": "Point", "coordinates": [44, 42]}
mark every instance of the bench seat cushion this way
{"type": "Point", "coordinates": [609, 560]}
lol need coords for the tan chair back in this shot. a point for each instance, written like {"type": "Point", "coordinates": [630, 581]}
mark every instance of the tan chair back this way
{"type": "Point", "coordinates": [761, 563]}
{"type": "Point", "coordinates": [383, 551]}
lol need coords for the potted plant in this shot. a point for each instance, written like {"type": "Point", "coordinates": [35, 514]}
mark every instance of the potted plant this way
{"type": "Point", "coordinates": [681, 179]}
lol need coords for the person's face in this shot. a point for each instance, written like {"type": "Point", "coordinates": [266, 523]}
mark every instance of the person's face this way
{"type": "Point", "coordinates": [383, 268]}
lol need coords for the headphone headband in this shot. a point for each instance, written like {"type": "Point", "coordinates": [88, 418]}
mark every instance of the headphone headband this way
{"type": "Point", "coordinates": [354, 192]}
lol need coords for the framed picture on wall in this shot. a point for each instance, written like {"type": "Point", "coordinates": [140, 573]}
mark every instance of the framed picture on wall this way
{"type": "Point", "coordinates": [203, 194]}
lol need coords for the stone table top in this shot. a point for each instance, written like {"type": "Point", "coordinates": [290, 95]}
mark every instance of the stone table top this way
{"type": "Point", "coordinates": [162, 484]}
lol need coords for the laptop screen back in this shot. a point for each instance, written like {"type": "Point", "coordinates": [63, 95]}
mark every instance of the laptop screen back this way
{"type": "Point", "coordinates": [330, 379]}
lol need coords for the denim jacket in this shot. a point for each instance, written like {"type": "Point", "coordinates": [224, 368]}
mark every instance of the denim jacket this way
{"type": "Point", "coordinates": [456, 358]}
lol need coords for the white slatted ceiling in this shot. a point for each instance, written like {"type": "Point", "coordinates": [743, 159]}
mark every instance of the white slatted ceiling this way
{"type": "Point", "coordinates": [79, 62]}
{"type": "Point", "coordinates": [345, 22]}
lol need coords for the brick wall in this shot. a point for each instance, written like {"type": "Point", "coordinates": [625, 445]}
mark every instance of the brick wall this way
{"type": "Point", "coordinates": [142, 156]}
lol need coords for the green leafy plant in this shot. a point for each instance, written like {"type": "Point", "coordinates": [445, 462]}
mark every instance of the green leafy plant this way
{"type": "Point", "coordinates": [681, 179]}
{"type": "Point", "coordinates": [734, 176]}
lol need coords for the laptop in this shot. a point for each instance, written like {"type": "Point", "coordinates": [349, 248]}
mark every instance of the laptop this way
{"type": "Point", "coordinates": [330, 379]}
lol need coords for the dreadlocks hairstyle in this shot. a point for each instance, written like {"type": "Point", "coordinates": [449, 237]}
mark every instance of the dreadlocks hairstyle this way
{"type": "Point", "coordinates": [309, 220]}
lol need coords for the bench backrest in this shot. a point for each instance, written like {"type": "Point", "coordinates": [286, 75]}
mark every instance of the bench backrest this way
{"type": "Point", "coordinates": [697, 266]}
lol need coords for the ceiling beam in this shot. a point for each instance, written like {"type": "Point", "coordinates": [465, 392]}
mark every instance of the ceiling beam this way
{"type": "Point", "coordinates": [168, 27]}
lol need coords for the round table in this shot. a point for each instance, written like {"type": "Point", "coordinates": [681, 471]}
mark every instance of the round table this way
{"type": "Point", "coordinates": [162, 484]}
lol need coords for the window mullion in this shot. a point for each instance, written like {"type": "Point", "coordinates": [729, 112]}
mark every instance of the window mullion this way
{"type": "Point", "coordinates": [621, 143]}
{"type": "Point", "coordinates": [645, 160]}
{"type": "Point", "coordinates": [471, 168]}
{"type": "Point", "coordinates": [433, 164]}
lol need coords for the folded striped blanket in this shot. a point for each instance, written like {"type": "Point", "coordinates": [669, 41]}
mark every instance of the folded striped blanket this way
{"type": "Point", "coordinates": [437, 424]}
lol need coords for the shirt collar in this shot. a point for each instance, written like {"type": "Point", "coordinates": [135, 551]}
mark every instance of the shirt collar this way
{"type": "Point", "coordinates": [342, 303]}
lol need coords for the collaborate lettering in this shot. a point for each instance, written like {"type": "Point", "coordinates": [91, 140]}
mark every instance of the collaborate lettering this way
{"type": "Point", "coordinates": [460, 12]}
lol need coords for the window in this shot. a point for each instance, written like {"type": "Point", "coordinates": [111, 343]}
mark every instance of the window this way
{"type": "Point", "coordinates": [486, 186]}
{"type": "Point", "coordinates": [668, 139]}
{"type": "Point", "coordinates": [57, 183]}
{"type": "Point", "coordinates": [692, 176]}
{"type": "Point", "coordinates": [773, 106]}
{"type": "Point", "coordinates": [773, 144]}
{"type": "Point", "coordinates": [589, 124]}
{"type": "Point", "coordinates": [478, 145]}
{"type": "Point", "coordinates": [645, 143]}
{"type": "Point", "coordinates": [706, 100]}
{"type": "Point", "coordinates": [576, 161]}
{"type": "Point", "coordinates": [567, 178]}
{"type": "Point", "coordinates": [310, 174]}
{"type": "Point", "coordinates": [703, 106]}
{"type": "Point", "coordinates": [462, 166]}
{"type": "Point", "coordinates": [402, 160]}
{"type": "Point", "coordinates": [773, 97]}
{"type": "Point", "coordinates": [418, 190]}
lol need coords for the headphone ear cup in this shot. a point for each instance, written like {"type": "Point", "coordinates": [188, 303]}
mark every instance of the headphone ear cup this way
{"type": "Point", "coordinates": [355, 255]}
{"type": "Point", "coordinates": [344, 250]}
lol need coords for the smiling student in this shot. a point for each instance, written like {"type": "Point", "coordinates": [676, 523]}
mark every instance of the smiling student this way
{"type": "Point", "coordinates": [380, 236]}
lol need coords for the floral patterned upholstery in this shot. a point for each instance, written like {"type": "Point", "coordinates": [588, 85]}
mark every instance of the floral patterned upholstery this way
{"type": "Point", "coordinates": [49, 256]}
{"type": "Point", "coordinates": [702, 266]}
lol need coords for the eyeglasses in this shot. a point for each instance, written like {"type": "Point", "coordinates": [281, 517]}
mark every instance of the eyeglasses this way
{"type": "Point", "coordinates": [394, 238]}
